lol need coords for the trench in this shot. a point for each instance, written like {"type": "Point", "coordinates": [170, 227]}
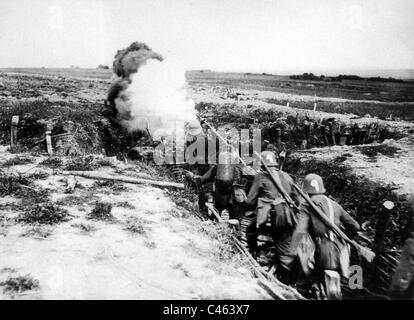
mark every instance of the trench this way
{"type": "Point", "coordinates": [363, 199]}
{"type": "Point", "coordinates": [359, 196]}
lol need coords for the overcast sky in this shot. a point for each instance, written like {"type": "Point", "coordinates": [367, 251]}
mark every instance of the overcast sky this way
{"type": "Point", "coordinates": [228, 35]}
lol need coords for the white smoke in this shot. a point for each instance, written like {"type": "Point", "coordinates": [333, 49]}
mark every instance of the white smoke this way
{"type": "Point", "coordinates": [156, 99]}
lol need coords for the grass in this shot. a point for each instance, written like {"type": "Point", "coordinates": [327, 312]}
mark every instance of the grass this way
{"type": "Point", "coordinates": [36, 232]}
{"type": "Point", "coordinates": [76, 201]}
{"type": "Point", "coordinates": [105, 163]}
{"type": "Point", "coordinates": [17, 160]}
{"type": "Point", "coordinates": [373, 151]}
{"type": "Point", "coordinates": [44, 213]}
{"type": "Point", "coordinates": [268, 120]}
{"type": "Point", "coordinates": [136, 225]}
{"type": "Point", "coordinates": [404, 111]}
{"type": "Point", "coordinates": [150, 244]}
{"type": "Point", "coordinates": [64, 72]}
{"type": "Point", "coordinates": [87, 163]}
{"type": "Point", "coordinates": [347, 89]}
{"type": "Point", "coordinates": [20, 186]}
{"type": "Point", "coordinates": [115, 186]}
{"type": "Point", "coordinates": [15, 285]}
{"type": "Point", "coordinates": [125, 204]}
{"type": "Point", "coordinates": [52, 162]}
{"type": "Point", "coordinates": [101, 212]}
{"type": "Point", "coordinates": [31, 129]}
{"type": "Point", "coordinates": [86, 228]}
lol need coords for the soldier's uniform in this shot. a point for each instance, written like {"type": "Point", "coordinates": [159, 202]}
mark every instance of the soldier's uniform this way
{"type": "Point", "coordinates": [402, 284]}
{"type": "Point", "coordinates": [269, 200]}
{"type": "Point", "coordinates": [223, 194]}
{"type": "Point", "coordinates": [224, 175]}
{"type": "Point", "coordinates": [331, 253]}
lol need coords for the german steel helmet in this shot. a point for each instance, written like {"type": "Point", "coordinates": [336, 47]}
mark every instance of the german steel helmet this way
{"type": "Point", "coordinates": [194, 128]}
{"type": "Point", "coordinates": [313, 184]}
{"type": "Point", "coordinates": [269, 158]}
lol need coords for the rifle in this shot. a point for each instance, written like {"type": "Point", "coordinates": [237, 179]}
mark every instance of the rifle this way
{"type": "Point", "coordinates": [278, 186]}
{"type": "Point", "coordinates": [364, 252]}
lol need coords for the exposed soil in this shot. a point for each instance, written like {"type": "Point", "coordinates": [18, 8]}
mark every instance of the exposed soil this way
{"type": "Point", "coordinates": [151, 250]}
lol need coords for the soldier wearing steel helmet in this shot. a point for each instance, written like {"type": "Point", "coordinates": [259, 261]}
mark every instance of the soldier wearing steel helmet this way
{"type": "Point", "coordinates": [224, 175]}
{"type": "Point", "coordinates": [269, 201]}
{"type": "Point", "coordinates": [331, 254]}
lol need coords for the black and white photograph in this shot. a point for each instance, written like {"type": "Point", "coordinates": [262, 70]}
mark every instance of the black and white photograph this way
{"type": "Point", "coordinates": [228, 152]}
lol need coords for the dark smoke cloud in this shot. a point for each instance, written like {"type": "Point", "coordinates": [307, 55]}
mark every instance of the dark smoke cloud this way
{"type": "Point", "coordinates": [150, 94]}
{"type": "Point", "coordinates": [129, 60]}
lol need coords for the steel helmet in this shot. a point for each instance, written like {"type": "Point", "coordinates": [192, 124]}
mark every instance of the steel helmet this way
{"type": "Point", "coordinates": [269, 158]}
{"type": "Point", "coordinates": [313, 184]}
{"type": "Point", "coordinates": [228, 157]}
{"type": "Point", "coordinates": [194, 128]}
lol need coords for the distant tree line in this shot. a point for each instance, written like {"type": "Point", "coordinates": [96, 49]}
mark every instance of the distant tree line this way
{"type": "Point", "coordinates": [312, 77]}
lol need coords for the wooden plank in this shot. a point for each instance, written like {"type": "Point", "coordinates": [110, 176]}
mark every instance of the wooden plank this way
{"type": "Point", "coordinates": [114, 177]}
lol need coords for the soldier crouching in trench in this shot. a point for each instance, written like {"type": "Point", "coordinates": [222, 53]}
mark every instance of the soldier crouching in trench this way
{"type": "Point", "coordinates": [329, 253]}
{"type": "Point", "coordinates": [269, 201]}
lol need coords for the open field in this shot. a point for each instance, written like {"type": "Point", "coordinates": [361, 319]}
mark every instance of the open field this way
{"type": "Point", "coordinates": [63, 72]}
{"type": "Point", "coordinates": [346, 89]}
{"type": "Point", "coordinates": [378, 99]}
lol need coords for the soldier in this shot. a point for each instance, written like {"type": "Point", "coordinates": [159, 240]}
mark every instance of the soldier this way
{"type": "Point", "coordinates": [331, 253]}
{"type": "Point", "coordinates": [224, 175]}
{"type": "Point", "coordinates": [402, 284]}
{"type": "Point", "coordinates": [269, 201]}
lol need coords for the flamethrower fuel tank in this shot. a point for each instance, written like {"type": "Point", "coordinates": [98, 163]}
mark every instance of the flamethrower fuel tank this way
{"type": "Point", "coordinates": [226, 167]}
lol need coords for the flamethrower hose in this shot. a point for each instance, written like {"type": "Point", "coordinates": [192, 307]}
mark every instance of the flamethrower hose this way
{"type": "Point", "coordinates": [225, 141]}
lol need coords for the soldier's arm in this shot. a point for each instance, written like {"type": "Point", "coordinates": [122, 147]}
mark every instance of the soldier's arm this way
{"type": "Point", "coordinates": [209, 175]}
{"type": "Point", "coordinates": [351, 226]}
{"type": "Point", "coordinates": [254, 191]}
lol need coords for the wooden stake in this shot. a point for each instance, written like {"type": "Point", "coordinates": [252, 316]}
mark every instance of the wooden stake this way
{"type": "Point", "coordinates": [49, 142]}
{"type": "Point", "coordinates": [13, 133]}
{"type": "Point", "coordinates": [278, 138]}
{"type": "Point", "coordinates": [333, 134]}
{"type": "Point", "coordinates": [381, 227]}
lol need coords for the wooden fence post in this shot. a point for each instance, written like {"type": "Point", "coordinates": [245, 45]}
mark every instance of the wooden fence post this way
{"type": "Point", "coordinates": [381, 227]}
{"type": "Point", "coordinates": [13, 133]}
{"type": "Point", "coordinates": [278, 138]}
{"type": "Point", "coordinates": [49, 143]}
